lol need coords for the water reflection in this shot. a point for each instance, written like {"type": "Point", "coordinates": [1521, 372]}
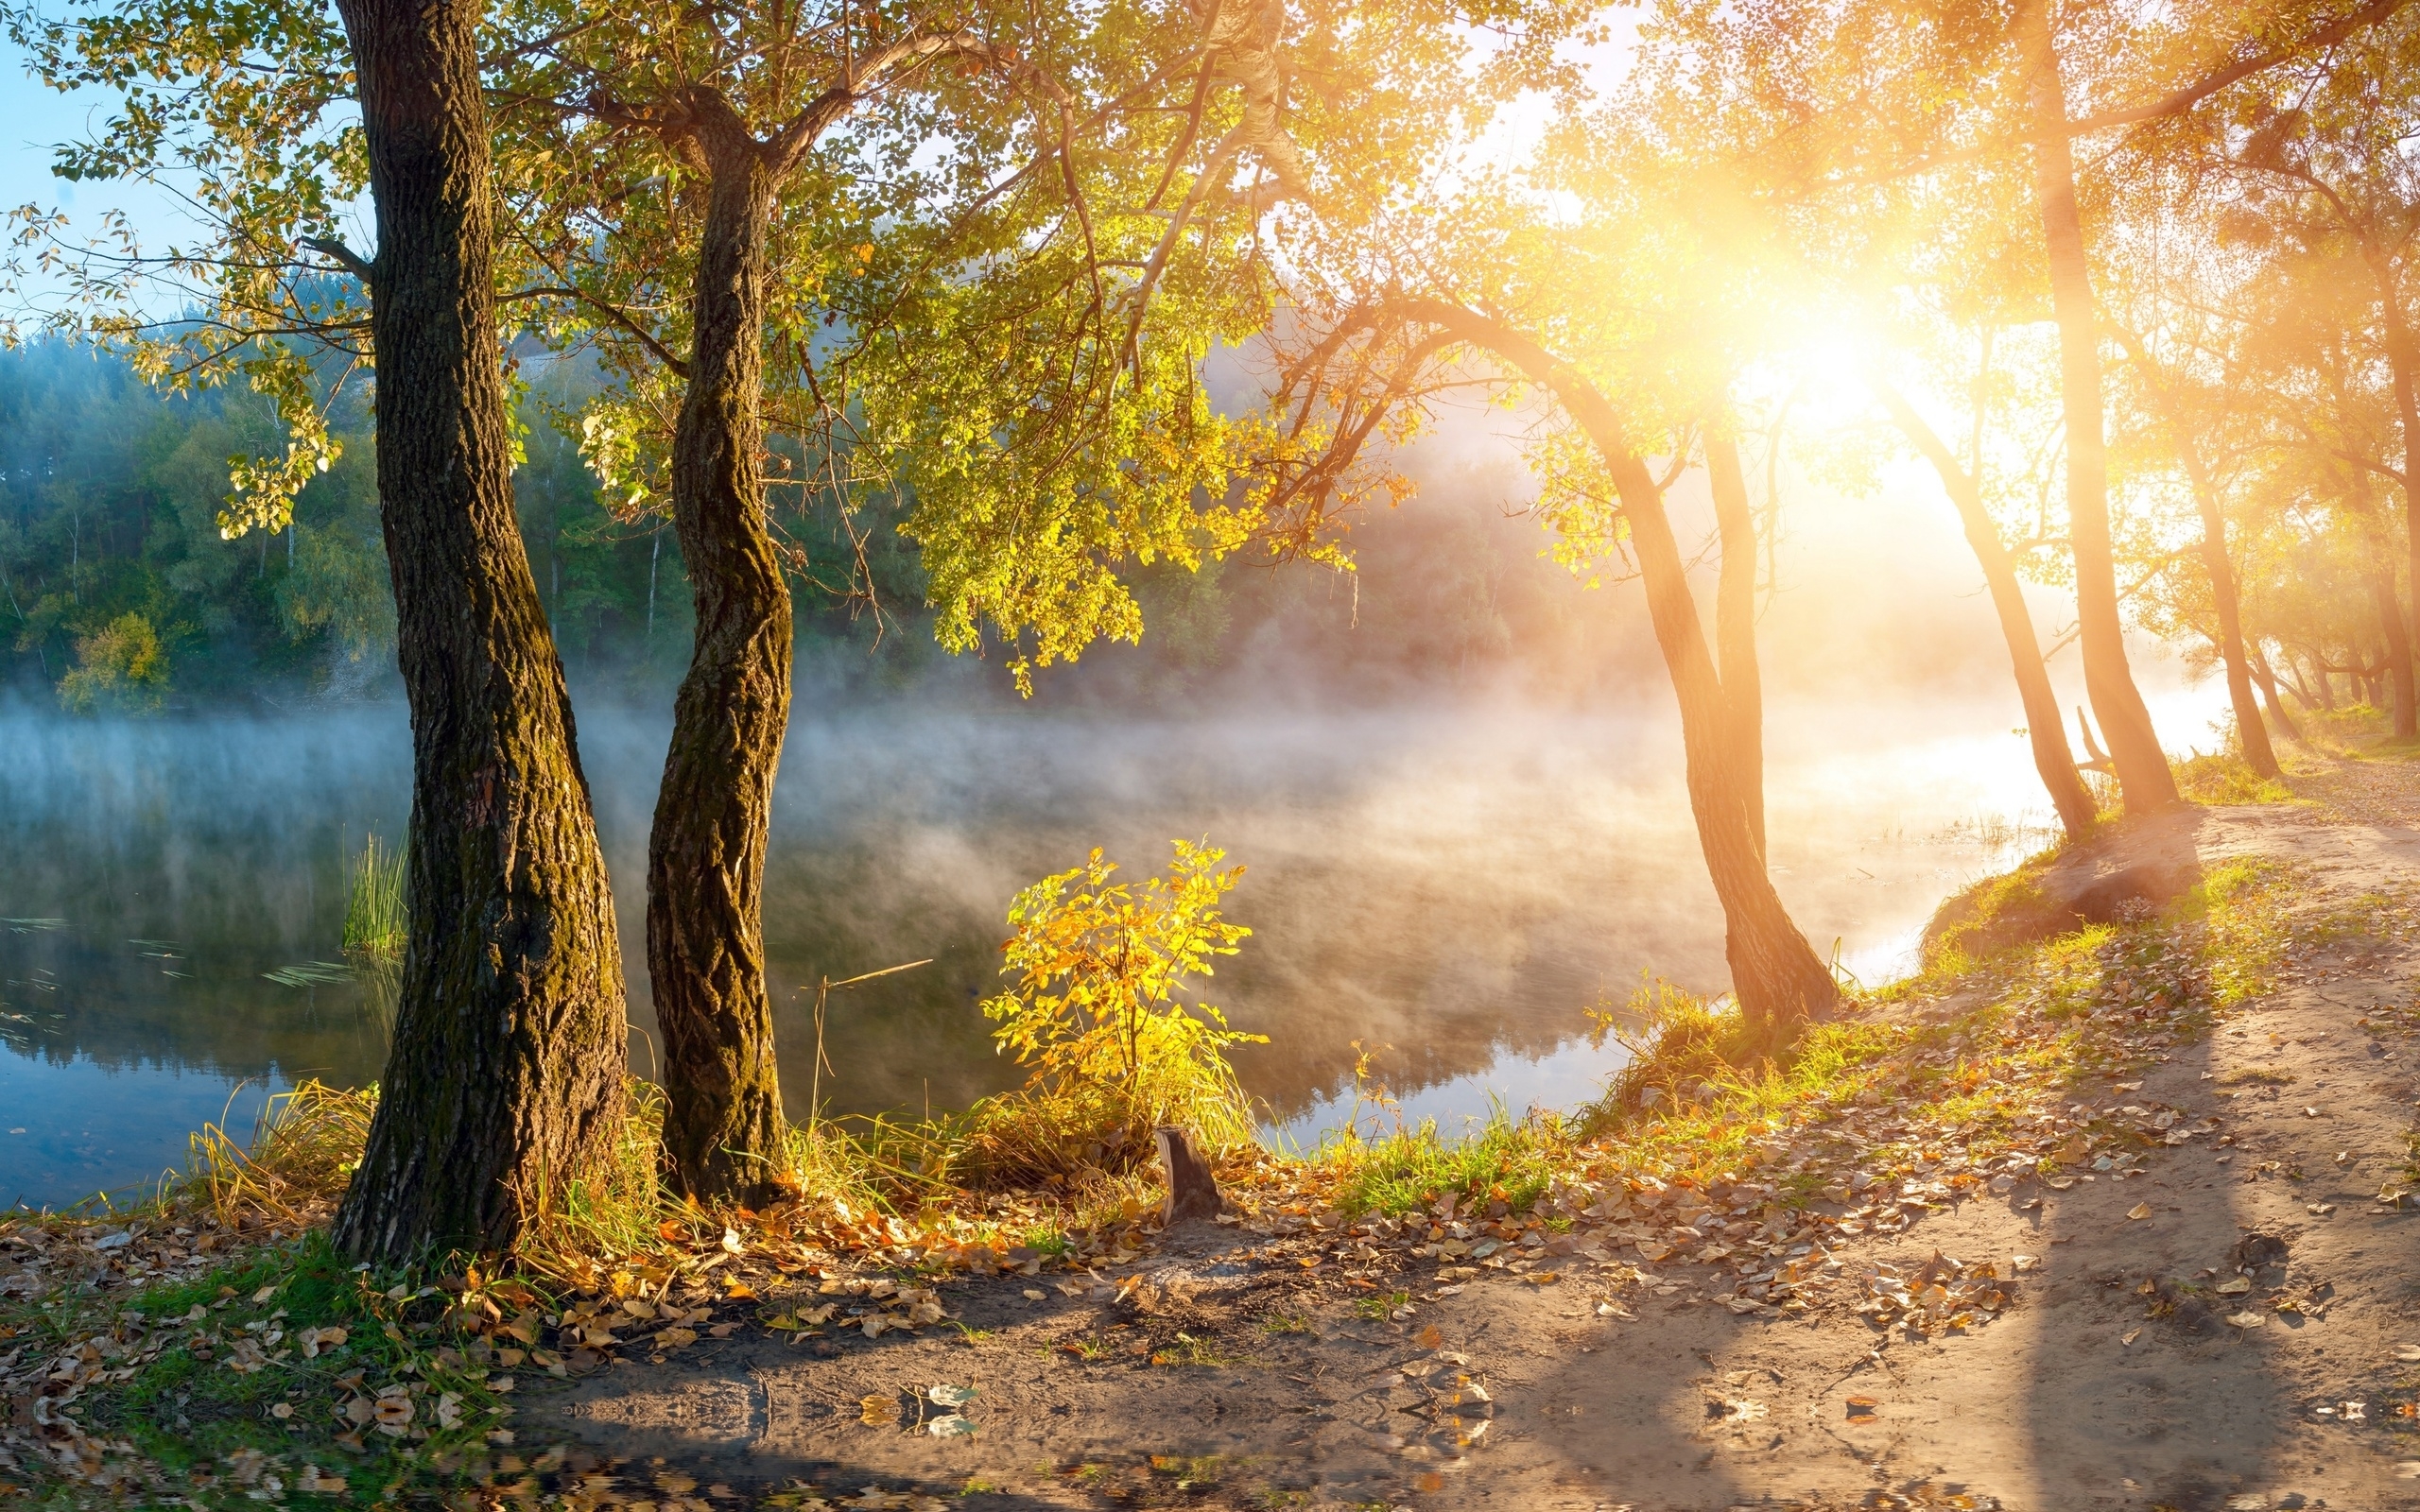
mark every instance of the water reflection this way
{"type": "Point", "coordinates": [1452, 883]}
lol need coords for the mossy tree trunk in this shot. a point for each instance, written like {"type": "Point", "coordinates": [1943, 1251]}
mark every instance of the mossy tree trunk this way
{"type": "Point", "coordinates": [706, 926]}
{"type": "Point", "coordinates": [504, 1084]}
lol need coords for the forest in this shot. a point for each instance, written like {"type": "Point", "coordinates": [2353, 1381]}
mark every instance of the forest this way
{"type": "Point", "coordinates": [124, 519]}
{"type": "Point", "coordinates": [729, 356]}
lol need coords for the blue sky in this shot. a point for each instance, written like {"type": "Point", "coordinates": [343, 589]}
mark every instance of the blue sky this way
{"type": "Point", "coordinates": [32, 119]}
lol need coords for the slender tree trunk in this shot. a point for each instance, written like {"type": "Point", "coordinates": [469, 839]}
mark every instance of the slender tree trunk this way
{"type": "Point", "coordinates": [2143, 775]}
{"type": "Point", "coordinates": [705, 928]}
{"type": "Point", "coordinates": [503, 1088]}
{"type": "Point", "coordinates": [2249, 733]}
{"type": "Point", "coordinates": [2267, 682]}
{"type": "Point", "coordinates": [1777, 975]}
{"type": "Point", "coordinates": [2268, 679]}
{"type": "Point", "coordinates": [2249, 729]}
{"type": "Point", "coordinates": [2395, 664]}
{"type": "Point", "coordinates": [2321, 684]}
{"type": "Point", "coordinates": [2045, 727]}
{"type": "Point", "coordinates": [2403, 362]}
{"type": "Point", "coordinates": [1735, 625]}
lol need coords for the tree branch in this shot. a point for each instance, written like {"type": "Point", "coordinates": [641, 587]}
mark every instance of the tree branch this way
{"type": "Point", "coordinates": [343, 256]}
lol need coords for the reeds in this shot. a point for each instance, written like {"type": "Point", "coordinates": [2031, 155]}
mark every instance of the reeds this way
{"type": "Point", "coordinates": [291, 1170]}
{"type": "Point", "coordinates": [374, 918]}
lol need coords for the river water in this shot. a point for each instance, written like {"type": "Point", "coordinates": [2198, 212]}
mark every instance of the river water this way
{"type": "Point", "coordinates": [1449, 884]}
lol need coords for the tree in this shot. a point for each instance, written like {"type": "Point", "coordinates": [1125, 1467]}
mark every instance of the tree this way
{"type": "Point", "coordinates": [503, 1088]}
{"type": "Point", "coordinates": [2046, 727]}
{"type": "Point", "coordinates": [1006, 334]}
{"type": "Point", "coordinates": [2179, 430]}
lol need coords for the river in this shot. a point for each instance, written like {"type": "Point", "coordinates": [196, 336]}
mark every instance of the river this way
{"type": "Point", "coordinates": [1450, 884]}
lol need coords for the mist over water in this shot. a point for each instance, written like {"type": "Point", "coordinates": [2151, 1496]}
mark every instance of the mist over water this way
{"type": "Point", "coordinates": [1449, 883]}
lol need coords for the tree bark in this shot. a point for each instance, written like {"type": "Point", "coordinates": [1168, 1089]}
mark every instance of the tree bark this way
{"type": "Point", "coordinates": [2045, 727]}
{"type": "Point", "coordinates": [503, 1088]}
{"type": "Point", "coordinates": [2250, 732]}
{"type": "Point", "coordinates": [1779, 979]}
{"type": "Point", "coordinates": [705, 928]}
{"type": "Point", "coordinates": [1735, 625]}
{"type": "Point", "coordinates": [2143, 774]}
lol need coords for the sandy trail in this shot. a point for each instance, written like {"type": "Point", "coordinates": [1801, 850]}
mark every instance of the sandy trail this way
{"type": "Point", "coordinates": [1287, 1397]}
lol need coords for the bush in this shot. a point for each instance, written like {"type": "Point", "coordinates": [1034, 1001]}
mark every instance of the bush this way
{"type": "Point", "coordinates": [1095, 1012]}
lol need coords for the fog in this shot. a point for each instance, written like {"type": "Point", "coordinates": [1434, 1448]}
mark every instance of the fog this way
{"type": "Point", "coordinates": [1447, 863]}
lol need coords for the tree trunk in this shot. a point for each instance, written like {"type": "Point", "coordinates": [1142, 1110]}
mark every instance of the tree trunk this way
{"type": "Point", "coordinates": [2403, 362]}
{"type": "Point", "coordinates": [2143, 775]}
{"type": "Point", "coordinates": [2395, 664]}
{"type": "Point", "coordinates": [2267, 682]}
{"type": "Point", "coordinates": [2249, 733]}
{"type": "Point", "coordinates": [1779, 979]}
{"type": "Point", "coordinates": [705, 931]}
{"type": "Point", "coordinates": [2321, 684]}
{"type": "Point", "coordinates": [1192, 1186]}
{"type": "Point", "coordinates": [2044, 725]}
{"type": "Point", "coordinates": [1735, 625]}
{"type": "Point", "coordinates": [2249, 729]}
{"type": "Point", "coordinates": [503, 1088]}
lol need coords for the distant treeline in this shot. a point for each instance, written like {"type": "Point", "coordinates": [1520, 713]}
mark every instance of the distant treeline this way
{"type": "Point", "coordinates": [118, 592]}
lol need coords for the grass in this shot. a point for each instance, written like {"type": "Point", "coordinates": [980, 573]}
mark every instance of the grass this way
{"type": "Point", "coordinates": [376, 923]}
{"type": "Point", "coordinates": [1505, 1162]}
{"type": "Point", "coordinates": [2225, 777]}
{"type": "Point", "coordinates": [1997, 914]}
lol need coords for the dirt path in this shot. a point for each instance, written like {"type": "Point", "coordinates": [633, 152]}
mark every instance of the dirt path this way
{"type": "Point", "coordinates": [2115, 1381]}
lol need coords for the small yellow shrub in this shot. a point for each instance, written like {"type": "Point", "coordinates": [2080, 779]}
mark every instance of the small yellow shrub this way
{"type": "Point", "coordinates": [1095, 1012]}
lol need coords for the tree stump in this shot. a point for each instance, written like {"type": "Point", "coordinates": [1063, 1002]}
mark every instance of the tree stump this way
{"type": "Point", "coordinates": [1193, 1192]}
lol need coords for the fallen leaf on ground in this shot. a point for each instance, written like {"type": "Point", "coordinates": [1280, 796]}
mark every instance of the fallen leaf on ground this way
{"type": "Point", "coordinates": [2129, 1336]}
{"type": "Point", "coordinates": [878, 1410]}
{"type": "Point", "coordinates": [2408, 1354]}
{"type": "Point", "coordinates": [2139, 1210]}
{"type": "Point", "coordinates": [2235, 1286]}
{"type": "Point", "coordinates": [952, 1426]}
{"type": "Point", "coordinates": [1862, 1406]}
{"type": "Point", "coordinates": [2247, 1319]}
{"type": "Point", "coordinates": [950, 1396]}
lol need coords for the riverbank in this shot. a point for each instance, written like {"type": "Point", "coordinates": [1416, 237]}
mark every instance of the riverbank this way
{"type": "Point", "coordinates": [2114, 1218]}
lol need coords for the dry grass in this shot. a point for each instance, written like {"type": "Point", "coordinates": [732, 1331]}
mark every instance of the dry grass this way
{"type": "Point", "coordinates": [292, 1169]}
